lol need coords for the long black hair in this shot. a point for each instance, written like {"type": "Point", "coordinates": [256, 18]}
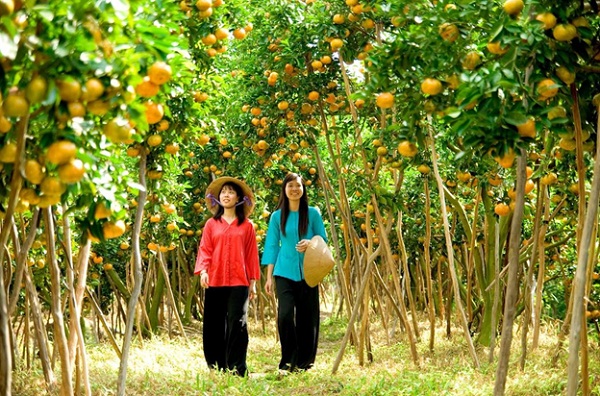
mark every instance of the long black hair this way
{"type": "Point", "coordinates": [284, 205]}
{"type": "Point", "coordinates": [239, 209]}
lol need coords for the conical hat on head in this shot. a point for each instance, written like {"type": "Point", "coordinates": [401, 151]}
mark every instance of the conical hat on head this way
{"type": "Point", "coordinates": [214, 189]}
{"type": "Point", "coordinates": [318, 261]}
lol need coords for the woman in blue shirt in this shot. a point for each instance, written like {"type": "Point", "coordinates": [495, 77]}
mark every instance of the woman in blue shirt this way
{"type": "Point", "coordinates": [291, 227]}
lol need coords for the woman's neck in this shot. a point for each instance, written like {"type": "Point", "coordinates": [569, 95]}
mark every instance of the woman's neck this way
{"type": "Point", "coordinates": [229, 213]}
{"type": "Point", "coordinates": [294, 206]}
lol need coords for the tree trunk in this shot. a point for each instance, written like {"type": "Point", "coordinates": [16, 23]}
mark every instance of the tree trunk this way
{"type": "Point", "coordinates": [512, 287]}
{"type": "Point", "coordinates": [580, 274]}
{"type": "Point", "coordinates": [138, 277]}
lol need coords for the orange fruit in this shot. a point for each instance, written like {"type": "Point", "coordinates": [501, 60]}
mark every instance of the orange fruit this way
{"type": "Point", "coordinates": [449, 32]}
{"type": "Point", "coordinates": [529, 186]}
{"type": "Point", "coordinates": [159, 73]}
{"type": "Point", "coordinates": [222, 33]}
{"type": "Point", "coordinates": [206, 13]}
{"type": "Point", "coordinates": [114, 229]}
{"type": "Point", "coordinates": [209, 39]}
{"type": "Point", "coordinates": [507, 159]}
{"type": "Point", "coordinates": [239, 33]}
{"type": "Point", "coordinates": [203, 5]}
{"type": "Point", "coordinates": [471, 60]}
{"type": "Point", "coordinates": [172, 148]}
{"type": "Point", "coordinates": [52, 185]}
{"type": "Point", "coordinates": [154, 112]}
{"type": "Point", "coordinates": [527, 129]}
{"type": "Point", "coordinates": [424, 169]}
{"type": "Point", "coordinates": [71, 172]}
{"type": "Point", "coordinates": [61, 152]}
{"type": "Point", "coordinates": [36, 90]}
{"type": "Point", "coordinates": [283, 105]}
{"type": "Point", "coordinates": [547, 19]}
{"type": "Point", "coordinates": [154, 140]}
{"type": "Point", "coordinates": [547, 89]}
{"type": "Point", "coordinates": [69, 90]}
{"type": "Point", "coordinates": [338, 19]}
{"type": "Point", "coordinates": [200, 97]}
{"type": "Point", "coordinates": [565, 75]}
{"type": "Point", "coordinates": [76, 109]}
{"type": "Point", "coordinates": [92, 90]}
{"type": "Point", "coordinates": [431, 86]}
{"type": "Point", "coordinates": [502, 209]}
{"type": "Point", "coordinates": [162, 125]}
{"type": "Point", "coordinates": [147, 89]}
{"type": "Point", "coordinates": [98, 107]}
{"type": "Point", "coordinates": [557, 112]}
{"type": "Point", "coordinates": [313, 95]}
{"type": "Point", "coordinates": [385, 100]}
{"type": "Point", "coordinates": [5, 124]}
{"type": "Point", "coordinates": [118, 130]}
{"type": "Point", "coordinates": [203, 139]}
{"type": "Point", "coordinates": [564, 32]}
{"type": "Point", "coordinates": [407, 149]}
{"type": "Point", "coordinates": [34, 171]}
{"type": "Point", "coordinates": [495, 180]}
{"type": "Point", "coordinates": [15, 105]}
{"type": "Point", "coordinates": [513, 7]}
{"type": "Point", "coordinates": [382, 151]}
{"type": "Point", "coordinates": [336, 44]}
{"type": "Point", "coordinates": [7, 7]}
{"type": "Point", "coordinates": [495, 48]}
{"type": "Point", "coordinates": [8, 153]}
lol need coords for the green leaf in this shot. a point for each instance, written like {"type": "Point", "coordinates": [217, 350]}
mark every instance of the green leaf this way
{"type": "Point", "coordinates": [515, 118]}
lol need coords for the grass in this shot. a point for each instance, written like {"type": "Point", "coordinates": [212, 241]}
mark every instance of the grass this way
{"type": "Point", "coordinates": [163, 366]}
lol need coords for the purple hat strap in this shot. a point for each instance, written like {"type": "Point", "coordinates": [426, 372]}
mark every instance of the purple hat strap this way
{"type": "Point", "coordinates": [246, 200]}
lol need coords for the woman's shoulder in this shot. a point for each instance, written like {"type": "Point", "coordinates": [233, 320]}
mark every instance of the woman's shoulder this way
{"type": "Point", "coordinates": [314, 210]}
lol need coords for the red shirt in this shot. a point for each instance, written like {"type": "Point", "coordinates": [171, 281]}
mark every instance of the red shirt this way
{"type": "Point", "coordinates": [229, 253]}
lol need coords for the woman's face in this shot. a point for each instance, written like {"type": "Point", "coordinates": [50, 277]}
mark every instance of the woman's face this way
{"type": "Point", "coordinates": [294, 189]}
{"type": "Point", "coordinates": [228, 197]}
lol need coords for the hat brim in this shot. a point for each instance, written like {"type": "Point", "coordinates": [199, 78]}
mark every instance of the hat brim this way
{"type": "Point", "coordinates": [318, 261]}
{"type": "Point", "coordinates": [214, 188]}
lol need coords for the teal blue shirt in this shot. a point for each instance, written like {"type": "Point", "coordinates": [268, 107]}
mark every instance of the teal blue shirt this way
{"type": "Point", "coordinates": [280, 249]}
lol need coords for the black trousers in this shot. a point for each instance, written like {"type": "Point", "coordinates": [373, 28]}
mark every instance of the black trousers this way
{"type": "Point", "coordinates": [225, 329]}
{"type": "Point", "coordinates": [297, 323]}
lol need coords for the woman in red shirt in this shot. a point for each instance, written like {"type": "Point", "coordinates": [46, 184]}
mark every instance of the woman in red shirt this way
{"type": "Point", "coordinates": [227, 263]}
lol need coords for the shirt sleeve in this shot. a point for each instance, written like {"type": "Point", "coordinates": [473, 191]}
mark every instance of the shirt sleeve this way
{"type": "Point", "coordinates": [272, 245]}
{"type": "Point", "coordinates": [205, 249]}
{"type": "Point", "coordinates": [252, 266]}
{"type": "Point", "coordinates": [317, 224]}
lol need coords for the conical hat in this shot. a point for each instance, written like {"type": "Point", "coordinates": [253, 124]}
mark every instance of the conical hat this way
{"type": "Point", "coordinates": [214, 189]}
{"type": "Point", "coordinates": [318, 261]}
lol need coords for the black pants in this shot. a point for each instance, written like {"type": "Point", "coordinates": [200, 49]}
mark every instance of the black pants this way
{"type": "Point", "coordinates": [298, 323]}
{"type": "Point", "coordinates": [225, 329]}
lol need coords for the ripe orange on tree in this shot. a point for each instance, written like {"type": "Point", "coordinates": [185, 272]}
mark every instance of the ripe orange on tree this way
{"type": "Point", "coordinates": [564, 32]}
{"type": "Point", "coordinates": [34, 171]}
{"type": "Point", "coordinates": [113, 229]}
{"type": "Point", "coordinates": [507, 159]}
{"type": "Point", "coordinates": [101, 211]}
{"type": "Point", "coordinates": [118, 130]}
{"type": "Point", "coordinates": [336, 44]}
{"type": "Point", "coordinates": [547, 19]}
{"type": "Point", "coordinates": [527, 129]}
{"type": "Point", "coordinates": [407, 148]}
{"type": "Point", "coordinates": [385, 100]}
{"type": "Point", "coordinates": [502, 209]}
{"type": "Point", "coordinates": [146, 88]}
{"type": "Point", "coordinates": [61, 152]}
{"type": "Point", "coordinates": [71, 172]}
{"type": "Point", "coordinates": [154, 140]}
{"type": "Point", "coordinates": [431, 86]}
{"type": "Point", "coordinates": [449, 32]}
{"type": "Point", "coordinates": [565, 75]}
{"type": "Point", "coordinates": [92, 90]}
{"type": "Point", "coordinates": [154, 112]}
{"type": "Point", "coordinates": [546, 89]}
{"type": "Point", "coordinates": [69, 89]}
{"type": "Point", "coordinates": [239, 33]}
{"type": "Point", "coordinates": [513, 7]}
{"type": "Point", "coordinates": [495, 48]}
{"type": "Point", "coordinates": [15, 105]}
{"type": "Point", "coordinates": [36, 90]}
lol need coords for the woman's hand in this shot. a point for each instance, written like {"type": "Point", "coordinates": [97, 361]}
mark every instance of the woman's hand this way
{"type": "Point", "coordinates": [252, 290]}
{"type": "Point", "coordinates": [204, 279]}
{"type": "Point", "coordinates": [302, 245]}
{"type": "Point", "coordinates": [269, 285]}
